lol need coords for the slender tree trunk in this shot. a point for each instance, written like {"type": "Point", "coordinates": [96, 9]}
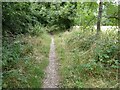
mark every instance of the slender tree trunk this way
{"type": "Point", "coordinates": [99, 16]}
{"type": "Point", "coordinates": [119, 40]}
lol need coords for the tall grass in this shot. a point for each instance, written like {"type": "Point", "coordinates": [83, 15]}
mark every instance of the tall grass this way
{"type": "Point", "coordinates": [87, 61]}
{"type": "Point", "coordinates": [24, 59]}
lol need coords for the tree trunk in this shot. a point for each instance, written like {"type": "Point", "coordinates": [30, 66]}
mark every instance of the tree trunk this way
{"type": "Point", "coordinates": [99, 16]}
{"type": "Point", "coordinates": [118, 40]}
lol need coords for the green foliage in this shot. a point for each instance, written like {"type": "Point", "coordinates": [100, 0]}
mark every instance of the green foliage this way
{"type": "Point", "coordinates": [37, 29]}
{"type": "Point", "coordinates": [24, 60]}
{"type": "Point", "coordinates": [110, 14]}
{"type": "Point", "coordinates": [12, 55]}
{"type": "Point", "coordinates": [53, 28]}
{"type": "Point", "coordinates": [88, 58]}
{"type": "Point", "coordinates": [61, 15]}
{"type": "Point", "coordinates": [106, 50]}
{"type": "Point", "coordinates": [81, 54]}
{"type": "Point", "coordinates": [86, 13]}
{"type": "Point", "coordinates": [15, 17]}
{"type": "Point", "coordinates": [18, 17]}
{"type": "Point", "coordinates": [84, 40]}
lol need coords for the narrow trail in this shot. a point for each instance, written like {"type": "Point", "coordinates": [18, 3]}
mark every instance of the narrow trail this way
{"type": "Point", "coordinates": [51, 78]}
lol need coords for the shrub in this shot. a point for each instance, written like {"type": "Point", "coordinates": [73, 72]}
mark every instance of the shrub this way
{"type": "Point", "coordinates": [37, 29]}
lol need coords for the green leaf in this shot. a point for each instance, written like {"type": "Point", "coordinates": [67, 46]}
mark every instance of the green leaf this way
{"type": "Point", "coordinates": [106, 56]}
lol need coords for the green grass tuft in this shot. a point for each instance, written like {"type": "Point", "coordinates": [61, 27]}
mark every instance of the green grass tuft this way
{"type": "Point", "coordinates": [87, 61]}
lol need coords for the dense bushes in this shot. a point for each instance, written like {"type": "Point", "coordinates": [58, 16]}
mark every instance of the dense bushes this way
{"type": "Point", "coordinates": [15, 17]}
{"type": "Point", "coordinates": [12, 55]}
{"type": "Point", "coordinates": [37, 29]}
{"type": "Point", "coordinates": [24, 59]}
{"type": "Point", "coordinates": [87, 59]}
{"type": "Point", "coordinates": [106, 50]}
{"type": "Point", "coordinates": [105, 47]}
{"type": "Point", "coordinates": [18, 17]}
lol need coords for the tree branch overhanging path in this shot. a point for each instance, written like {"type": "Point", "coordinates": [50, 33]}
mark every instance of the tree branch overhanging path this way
{"type": "Point", "coordinates": [51, 79]}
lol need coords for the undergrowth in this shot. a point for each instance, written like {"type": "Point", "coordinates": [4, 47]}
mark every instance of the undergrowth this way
{"type": "Point", "coordinates": [24, 59]}
{"type": "Point", "coordinates": [87, 61]}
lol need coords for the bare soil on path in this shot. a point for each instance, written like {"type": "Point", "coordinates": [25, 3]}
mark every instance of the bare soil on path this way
{"type": "Point", "coordinates": [51, 79]}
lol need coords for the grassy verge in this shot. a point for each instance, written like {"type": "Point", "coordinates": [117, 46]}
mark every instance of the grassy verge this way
{"type": "Point", "coordinates": [24, 59]}
{"type": "Point", "coordinates": [87, 61]}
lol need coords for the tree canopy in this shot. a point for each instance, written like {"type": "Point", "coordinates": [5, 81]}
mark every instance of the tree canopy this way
{"type": "Point", "coordinates": [19, 17]}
